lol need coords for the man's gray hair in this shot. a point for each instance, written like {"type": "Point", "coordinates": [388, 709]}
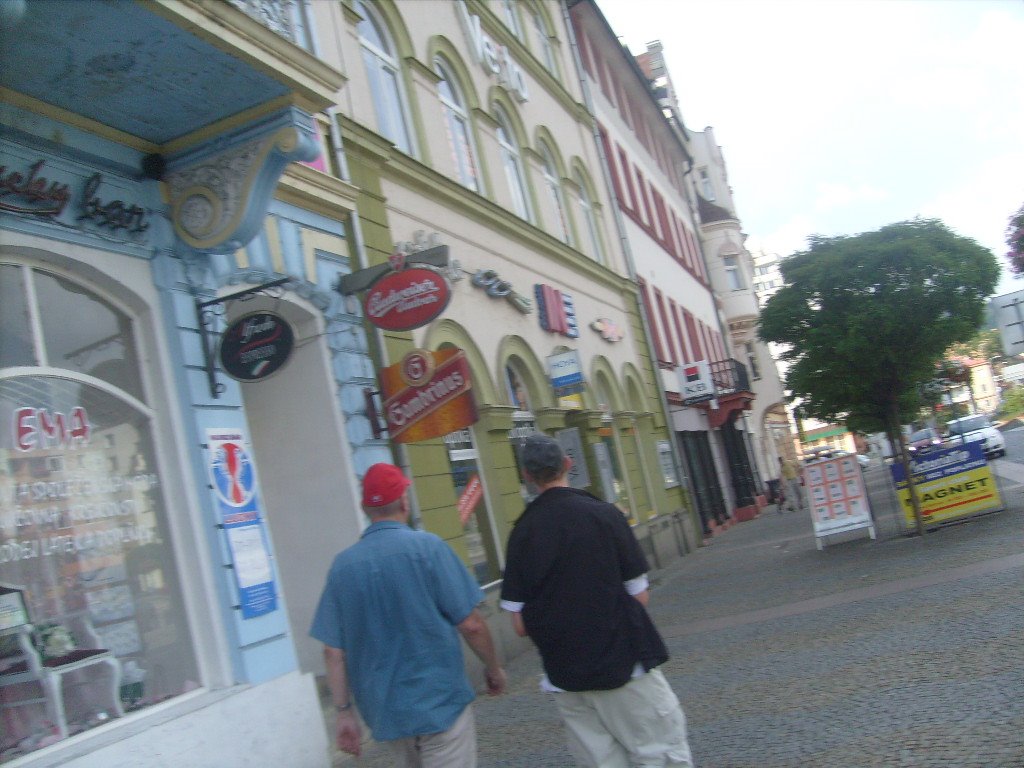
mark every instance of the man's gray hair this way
{"type": "Point", "coordinates": [542, 457]}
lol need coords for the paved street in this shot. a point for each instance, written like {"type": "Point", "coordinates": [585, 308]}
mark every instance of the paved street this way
{"type": "Point", "coordinates": [896, 652]}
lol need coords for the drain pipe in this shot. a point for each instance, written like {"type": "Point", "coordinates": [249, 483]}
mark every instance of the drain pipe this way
{"type": "Point", "coordinates": [626, 251]}
{"type": "Point", "coordinates": [359, 252]}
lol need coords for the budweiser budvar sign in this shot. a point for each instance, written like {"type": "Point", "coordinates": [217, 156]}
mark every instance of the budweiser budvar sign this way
{"type": "Point", "coordinates": [407, 299]}
{"type": "Point", "coordinates": [428, 394]}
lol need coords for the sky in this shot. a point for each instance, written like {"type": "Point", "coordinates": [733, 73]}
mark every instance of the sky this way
{"type": "Point", "coordinates": [837, 117]}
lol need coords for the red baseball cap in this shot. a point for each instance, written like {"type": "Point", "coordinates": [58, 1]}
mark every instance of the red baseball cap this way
{"type": "Point", "coordinates": [383, 484]}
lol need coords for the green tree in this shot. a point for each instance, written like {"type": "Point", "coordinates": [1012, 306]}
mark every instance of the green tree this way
{"type": "Point", "coordinates": [865, 318]}
{"type": "Point", "coordinates": [1015, 239]}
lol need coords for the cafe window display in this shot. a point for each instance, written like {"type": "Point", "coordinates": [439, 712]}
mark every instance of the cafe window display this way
{"type": "Point", "coordinates": [474, 514]}
{"type": "Point", "coordinates": [523, 423]}
{"type": "Point", "coordinates": [83, 529]}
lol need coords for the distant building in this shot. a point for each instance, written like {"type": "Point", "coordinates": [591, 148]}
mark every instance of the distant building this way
{"type": "Point", "coordinates": [767, 276]}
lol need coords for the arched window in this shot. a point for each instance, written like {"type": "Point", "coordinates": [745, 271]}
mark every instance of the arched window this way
{"type": "Point", "coordinates": [84, 523]}
{"type": "Point", "coordinates": [523, 421]}
{"type": "Point", "coordinates": [384, 76]}
{"type": "Point", "coordinates": [589, 217]}
{"type": "Point", "coordinates": [512, 160]}
{"type": "Point", "coordinates": [544, 37]}
{"type": "Point", "coordinates": [456, 118]}
{"type": "Point", "coordinates": [553, 186]}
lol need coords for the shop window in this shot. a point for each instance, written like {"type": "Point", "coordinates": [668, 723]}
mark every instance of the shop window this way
{"type": "Point", "coordinates": [523, 424]}
{"type": "Point", "coordinates": [83, 526]}
{"type": "Point", "coordinates": [16, 337]}
{"type": "Point", "coordinates": [474, 513]}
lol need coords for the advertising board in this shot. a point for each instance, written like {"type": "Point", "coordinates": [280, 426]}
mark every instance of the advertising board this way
{"type": "Point", "coordinates": [951, 483]}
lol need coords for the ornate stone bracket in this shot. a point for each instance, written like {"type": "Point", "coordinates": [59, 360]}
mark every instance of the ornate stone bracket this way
{"type": "Point", "coordinates": [219, 192]}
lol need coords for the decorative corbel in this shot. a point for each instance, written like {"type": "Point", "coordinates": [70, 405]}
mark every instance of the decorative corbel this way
{"type": "Point", "coordinates": [219, 192]}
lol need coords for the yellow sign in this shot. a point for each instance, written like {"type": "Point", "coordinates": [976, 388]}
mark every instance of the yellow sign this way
{"type": "Point", "coordinates": [948, 498]}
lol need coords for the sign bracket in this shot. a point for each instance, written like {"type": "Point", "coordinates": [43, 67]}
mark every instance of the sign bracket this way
{"type": "Point", "coordinates": [206, 311]}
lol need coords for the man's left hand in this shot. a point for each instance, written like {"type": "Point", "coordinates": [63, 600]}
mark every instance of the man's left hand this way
{"type": "Point", "coordinates": [496, 681]}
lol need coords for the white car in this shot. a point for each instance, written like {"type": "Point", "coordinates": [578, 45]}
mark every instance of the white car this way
{"type": "Point", "coordinates": [977, 428]}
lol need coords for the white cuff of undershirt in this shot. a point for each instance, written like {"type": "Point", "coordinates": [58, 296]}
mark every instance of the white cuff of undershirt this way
{"type": "Point", "coordinates": [511, 606]}
{"type": "Point", "coordinates": [637, 585]}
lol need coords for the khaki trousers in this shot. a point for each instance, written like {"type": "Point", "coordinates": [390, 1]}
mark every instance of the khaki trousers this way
{"type": "Point", "coordinates": [640, 725]}
{"type": "Point", "coordinates": [454, 748]}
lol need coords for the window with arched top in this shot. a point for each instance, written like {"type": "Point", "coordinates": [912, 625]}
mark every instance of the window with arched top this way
{"type": "Point", "coordinates": [512, 161]}
{"type": "Point", "coordinates": [384, 75]}
{"type": "Point", "coordinates": [84, 519]}
{"type": "Point", "coordinates": [547, 52]}
{"type": "Point", "coordinates": [553, 187]}
{"type": "Point", "coordinates": [457, 126]}
{"type": "Point", "coordinates": [589, 217]}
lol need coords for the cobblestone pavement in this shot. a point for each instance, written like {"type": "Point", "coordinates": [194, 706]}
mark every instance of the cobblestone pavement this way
{"type": "Point", "coordinates": [899, 652]}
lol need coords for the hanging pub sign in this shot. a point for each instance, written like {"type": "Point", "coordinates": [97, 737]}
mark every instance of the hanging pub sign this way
{"type": "Point", "coordinates": [407, 299]}
{"type": "Point", "coordinates": [427, 395]}
{"type": "Point", "coordinates": [255, 346]}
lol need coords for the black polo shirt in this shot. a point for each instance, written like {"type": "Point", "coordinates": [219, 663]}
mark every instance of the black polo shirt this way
{"type": "Point", "coordinates": [568, 556]}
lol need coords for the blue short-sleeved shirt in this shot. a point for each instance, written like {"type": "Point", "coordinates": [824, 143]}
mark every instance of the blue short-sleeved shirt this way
{"type": "Point", "coordinates": [391, 603]}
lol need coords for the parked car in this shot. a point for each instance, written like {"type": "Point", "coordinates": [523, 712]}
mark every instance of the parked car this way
{"type": "Point", "coordinates": [864, 461]}
{"type": "Point", "coordinates": [977, 428]}
{"type": "Point", "coordinates": [923, 440]}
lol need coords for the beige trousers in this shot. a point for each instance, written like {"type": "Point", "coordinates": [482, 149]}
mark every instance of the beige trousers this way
{"type": "Point", "coordinates": [454, 748]}
{"type": "Point", "coordinates": [640, 725]}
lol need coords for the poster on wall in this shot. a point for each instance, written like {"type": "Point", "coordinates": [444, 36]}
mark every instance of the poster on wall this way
{"type": "Point", "coordinates": [566, 373]}
{"type": "Point", "coordinates": [837, 497]}
{"type": "Point", "coordinates": [233, 478]}
{"type": "Point", "coordinates": [572, 444]}
{"type": "Point", "coordinates": [951, 483]}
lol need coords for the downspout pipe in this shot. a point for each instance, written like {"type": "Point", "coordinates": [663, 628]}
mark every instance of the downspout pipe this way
{"type": "Point", "coordinates": [359, 251]}
{"type": "Point", "coordinates": [626, 251]}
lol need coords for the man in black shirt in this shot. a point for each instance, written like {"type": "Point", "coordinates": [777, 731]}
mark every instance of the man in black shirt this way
{"type": "Point", "coordinates": [576, 583]}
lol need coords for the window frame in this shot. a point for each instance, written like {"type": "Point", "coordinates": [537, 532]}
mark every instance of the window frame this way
{"type": "Point", "coordinates": [513, 165]}
{"type": "Point", "coordinates": [456, 112]}
{"type": "Point", "coordinates": [388, 64]}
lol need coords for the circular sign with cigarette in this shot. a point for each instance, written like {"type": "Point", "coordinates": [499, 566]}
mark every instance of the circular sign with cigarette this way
{"type": "Point", "coordinates": [255, 346]}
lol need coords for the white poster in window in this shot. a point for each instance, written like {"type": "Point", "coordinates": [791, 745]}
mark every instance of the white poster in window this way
{"type": "Point", "coordinates": [604, 467]}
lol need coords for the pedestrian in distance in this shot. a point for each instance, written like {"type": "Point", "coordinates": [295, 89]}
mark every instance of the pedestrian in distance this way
{"type": "Point", "coordinates": [576, 584]}
{"type": "Point", "coordinates": [791, 476]}
{"type": "Point", "coordinates": [390, 616]}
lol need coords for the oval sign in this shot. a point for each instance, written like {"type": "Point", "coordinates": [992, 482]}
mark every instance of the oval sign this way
{"type": "Point", "coordinates": [255, 346]}
{"type": "Point", "coordinates": [401, 301]}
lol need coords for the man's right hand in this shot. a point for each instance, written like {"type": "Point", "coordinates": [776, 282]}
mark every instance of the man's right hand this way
{"type": "Point", "coordinates": [349, 734]}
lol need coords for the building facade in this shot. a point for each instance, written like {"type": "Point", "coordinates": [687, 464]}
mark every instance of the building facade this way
{"type": "Point", "coordinates": [734, 275]}
{"type": "Point", "coordinates": [193, 213]}
{"type": "Point", "coordinates": [694, 273]}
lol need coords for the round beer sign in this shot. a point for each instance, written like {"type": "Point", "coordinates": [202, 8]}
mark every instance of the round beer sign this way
{"type": "Point", "coordinates": [255, 346]}
{"type": "Point", "coordinates": [401, 301]}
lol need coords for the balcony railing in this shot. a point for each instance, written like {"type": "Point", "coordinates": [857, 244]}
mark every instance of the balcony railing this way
{"type": "Point", "coordinates": [730, 376]}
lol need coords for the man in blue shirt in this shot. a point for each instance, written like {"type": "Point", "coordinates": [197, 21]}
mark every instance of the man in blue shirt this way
{"type": "Point", "coordinates": [390, 617]}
